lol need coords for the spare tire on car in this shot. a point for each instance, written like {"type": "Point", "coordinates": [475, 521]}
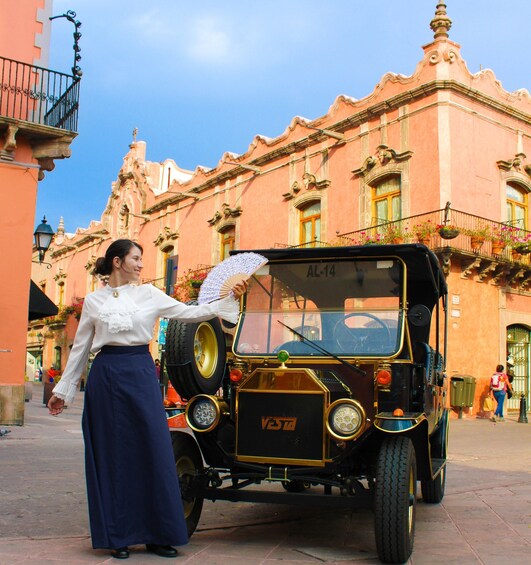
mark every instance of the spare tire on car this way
{"type": "Point", "coordinates": [195, 356]}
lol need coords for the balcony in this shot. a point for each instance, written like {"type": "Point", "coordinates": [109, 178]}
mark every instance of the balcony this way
{"type": "Point", "coordinates": [37, 95]}
{"type": "Point", "coordinates": [495, 251]}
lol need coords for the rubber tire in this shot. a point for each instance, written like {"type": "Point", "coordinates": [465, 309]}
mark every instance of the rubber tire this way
{"type": "Point", "coordinates": [395, 500]}
{"type": "Point", "coordinates": [195, 356]}
{"type": "Point", "coordinates": [188, 462]}
{"type": "Point", "coordinates": [433, 490]}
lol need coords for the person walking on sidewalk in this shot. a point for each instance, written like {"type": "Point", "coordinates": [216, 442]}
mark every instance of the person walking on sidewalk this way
{"type": "Point", "coordinates": [499, 384]}
{"type": "Point", "coordinates": [132, 487]}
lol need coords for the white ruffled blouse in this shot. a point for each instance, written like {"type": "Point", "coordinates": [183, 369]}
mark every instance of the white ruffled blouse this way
{"type": "Point", "coordinates": [126, 315]}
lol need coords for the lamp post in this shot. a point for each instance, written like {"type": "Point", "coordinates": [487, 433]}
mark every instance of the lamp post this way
{"type": "Point", "coordinates": [43, 237]}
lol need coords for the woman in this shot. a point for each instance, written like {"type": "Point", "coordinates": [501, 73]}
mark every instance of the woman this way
{"type": "Point", "coordinates": [132, 487]}
{"type": "Point", "coordinates": [499, 383]}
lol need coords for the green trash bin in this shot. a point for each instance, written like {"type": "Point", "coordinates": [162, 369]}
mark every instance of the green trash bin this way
{"type": "Point", "coordinates": [457, 391]}
{"type": "Point", "coordinates": [470, 390]}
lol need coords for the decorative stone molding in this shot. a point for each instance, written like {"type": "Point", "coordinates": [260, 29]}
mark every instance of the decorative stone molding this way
{"type": "Point", "coordinates": [294, 190]}
{"type": "Point", "coordinates": [515, 164]}
{"type": "Point", "coordinates": [10, 143]}
{"type": "Point", "coordinates": [469, 265]}
{"type": "Point", "coordinates": [166, 236]}
{"type": "Point", "coordinates": [384, 157]}
{"type": "Point", "coordinates": [441, 23]}
{"type": "Point", "coordinates": [310, 182]}
{"type": "Point", "coordinates": [225, 212]}
{"type": "Point", "coordinates": [91, 263]}
{"type": "Point", "coordinates": [60, 277]}
{"type": "Point", "coordinates": [46, 151]}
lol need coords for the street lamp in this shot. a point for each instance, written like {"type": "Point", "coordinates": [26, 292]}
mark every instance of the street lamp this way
{"type": "Point", "coordinates": [43, 237]}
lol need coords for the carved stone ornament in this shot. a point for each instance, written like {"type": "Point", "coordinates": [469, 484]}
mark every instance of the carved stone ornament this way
{"type": "Point", "coordinates": [294, 190]}
{"type": "Point", "coordinates": [441, 23]}
{"type": "Point", "coordinates": [165, 236]}
{"type": "Point", "coordinates": [60, 276]}
{"type": "Point", "coordinates": [91, 263]}
{"type": "Point", "coordinates": [226, 212]}
{"type": "Point", "coordinates": [310, 181]}
{"type": "Point", "coordinates": [382, 157]}
{"type": "Point", "coordinates": [515, 164]}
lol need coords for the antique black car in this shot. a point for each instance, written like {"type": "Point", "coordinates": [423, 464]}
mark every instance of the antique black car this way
{"type": "Point", "coordinates": [331, 386]}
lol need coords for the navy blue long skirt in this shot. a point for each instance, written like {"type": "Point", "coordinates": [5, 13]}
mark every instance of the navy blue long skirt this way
{"type": "Point", "coordinates": [132, 486]}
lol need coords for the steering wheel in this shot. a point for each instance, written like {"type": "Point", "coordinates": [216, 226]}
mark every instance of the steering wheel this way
{"type": "Point", "coordinates": [349, 341]}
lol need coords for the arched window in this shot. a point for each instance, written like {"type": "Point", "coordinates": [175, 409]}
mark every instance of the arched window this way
{"type": "Point", "coordinates": [518, 361]}
{"type": "Point", "coordinates": [169, 262]}
{"type": "Point", "coordinates": [516, 205]}
{"type": "Point", "coordinates": [227, 238]}
{"type": "Point", "coordinates": [57, 358]}
{"type": "Point", "coordinates": [310, 224]}
{"type": "Point", "coordinates": [386, 200]}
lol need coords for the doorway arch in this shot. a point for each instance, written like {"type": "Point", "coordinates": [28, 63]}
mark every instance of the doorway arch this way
{"type": "Point", "coordinates": [519, 356]}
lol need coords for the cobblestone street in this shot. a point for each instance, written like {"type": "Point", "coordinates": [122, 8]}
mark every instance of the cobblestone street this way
{"type": "Point", "coordinates": [485, 517]}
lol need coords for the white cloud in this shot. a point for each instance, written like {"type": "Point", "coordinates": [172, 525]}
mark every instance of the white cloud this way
{"type": "Point", "coordinates": [208, 42]}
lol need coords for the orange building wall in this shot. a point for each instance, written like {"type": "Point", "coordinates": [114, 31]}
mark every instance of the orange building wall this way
{"type": "Point", "coordinates": [19, 27]}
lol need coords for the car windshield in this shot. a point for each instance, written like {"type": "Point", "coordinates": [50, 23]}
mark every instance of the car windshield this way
{"type": "Point", "coordinates": [346, 307]}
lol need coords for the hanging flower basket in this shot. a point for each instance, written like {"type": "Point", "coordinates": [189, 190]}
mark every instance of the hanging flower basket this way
{"type": "Point", "coordinates": [523, 249]}
{"type": "Point", "coordinates": [448, 232]}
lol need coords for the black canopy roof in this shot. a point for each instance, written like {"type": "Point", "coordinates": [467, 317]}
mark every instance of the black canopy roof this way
{"type": "Point", "coordinates": [426, 281]}
{"type": "Point", "coordinates": [40, 306]}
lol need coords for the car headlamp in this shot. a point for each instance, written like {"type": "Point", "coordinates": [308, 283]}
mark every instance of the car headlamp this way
{"type": "Point", "coordinates": [345, 419]}
{"type": "Point", "coordinates": [203, 412]}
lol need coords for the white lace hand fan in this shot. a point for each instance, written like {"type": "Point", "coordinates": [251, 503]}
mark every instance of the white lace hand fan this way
{"type": "Point", "coordinates": [231, 271]}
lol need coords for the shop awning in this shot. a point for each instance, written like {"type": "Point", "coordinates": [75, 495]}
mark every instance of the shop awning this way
{"type": "Point", "coordinates": [40, 306]}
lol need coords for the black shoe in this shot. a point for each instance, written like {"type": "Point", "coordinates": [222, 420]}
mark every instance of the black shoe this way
{"type": "Point", "coordinates": [162, 550]}
{"type": "Point", "coordinates": [120, 553]}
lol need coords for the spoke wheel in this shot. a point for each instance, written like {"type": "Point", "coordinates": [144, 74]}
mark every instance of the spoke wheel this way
{"type": "Point", "coordinates": [188, 464]}
{"type": "Point", "coordinates": [395, 500]}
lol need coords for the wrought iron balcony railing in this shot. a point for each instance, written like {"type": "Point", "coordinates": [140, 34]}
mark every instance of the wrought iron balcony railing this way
{"type": "Point", "coordinates": [38, 95]}
{"type": "Point", "coordinates": [462, 232]}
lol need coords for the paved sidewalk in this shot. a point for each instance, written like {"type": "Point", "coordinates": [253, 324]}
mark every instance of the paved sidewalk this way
{"type": "Point", "coordinates": [485, 517]}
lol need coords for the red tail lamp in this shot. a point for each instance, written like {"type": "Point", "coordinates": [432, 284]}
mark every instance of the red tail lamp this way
{"type": "Point", "coordinates": [236, 375]}
{"type": "Point", "coordinates": [383, 377]}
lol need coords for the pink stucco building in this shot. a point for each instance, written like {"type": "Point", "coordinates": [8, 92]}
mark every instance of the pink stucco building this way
{"type": "Point", "coordinates": [387, 163]}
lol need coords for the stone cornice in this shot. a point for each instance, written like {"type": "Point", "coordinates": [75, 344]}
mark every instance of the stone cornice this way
{"type": "Point", "coordinates": [356, 119]}
{"type": "Point", "coordinates": [73, 246]}
{"type": "Point", "coordinates": [48, 143]}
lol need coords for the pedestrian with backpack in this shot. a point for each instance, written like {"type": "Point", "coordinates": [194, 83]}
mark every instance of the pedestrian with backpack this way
{"type": "Point", "coordinates": [499, 384]}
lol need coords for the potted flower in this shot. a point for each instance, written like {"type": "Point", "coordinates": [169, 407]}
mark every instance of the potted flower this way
{"type": "Point", "coordinates": [395, 233]}
{"type": "Point", "coordinates": [522, 242]}
{"type": "Point", "coordinates": [187, 287]}
{"type": "Point", "coordinates": [502, 235]}
{"type": "Point", "coordinates": [448, 231]}
{"type": "Point", "coordinates": [478, 235]}
{"type": "Point", "coordinates": [371, 238]}
{"type": "Point", "coordinates": [424, 231]}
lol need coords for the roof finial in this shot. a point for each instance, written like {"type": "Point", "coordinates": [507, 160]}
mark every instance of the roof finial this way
{"type": "Point", "coordinates": [441, 23]}
{"type": "Point", "coordinates": [135, 132]}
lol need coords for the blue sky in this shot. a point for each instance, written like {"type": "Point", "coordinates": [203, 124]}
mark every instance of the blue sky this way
{"type": "Point", "coordinates": [201, 78]}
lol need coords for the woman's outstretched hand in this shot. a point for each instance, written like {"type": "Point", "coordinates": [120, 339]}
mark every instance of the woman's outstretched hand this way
{"type": "Point", "coordinates": [55, 405]}
{"type": "Point", "coordinates": [239, 289]}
